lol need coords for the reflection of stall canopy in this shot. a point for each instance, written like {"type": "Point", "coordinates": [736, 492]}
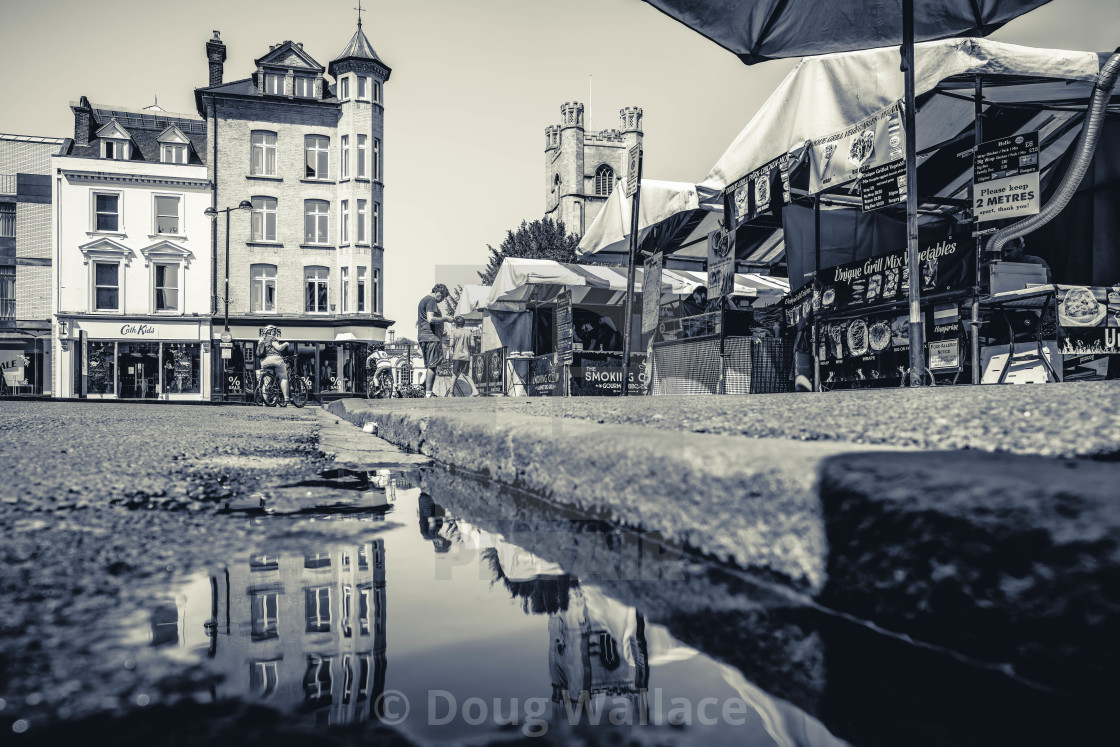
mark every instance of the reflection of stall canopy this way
{"type": "Point", "coordinates": [1024, 90]}
{"type": "Point", "coordinates": [671, 220]}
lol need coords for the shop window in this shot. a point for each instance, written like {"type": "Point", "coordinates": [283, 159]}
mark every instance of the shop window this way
{"type": "Point", "coordinates": [331, 361]}
{"type": "Point", "coordinates": [317, 606]}
{"type": "Point", "coordinates": [264, 677]}
{"type": "Point", "coordinates": [265, 615]}
{"type": "Point", "coordinates": [138, 372]}
{"type": "Point", "coordinates": [263, 160]}
{"type": "Point", "coordinates": [361, 289]}
{"type": "Point", "coordinates": [181, 367]}
{"type": "Point", "coordinates": [167, 214]}
{"type": "Point", "coordinates": [264, 219]}
{"type": "Point", "coordinates": [107, 211]}
{"type": "Point", "coordinates": [604, 181]}
{"type": "Point", "coordinates": [344, 170]}
{"type": "Point", "coordinates": [316, 224]}
{"type": "Point", "coordinates": [262, 290]}
{"type": "Point", "coordinates": [315, 280]}
{"type": "Point", "coordinates": [167, 288]}
{"type": "Point", "coordinates": [107, 290]}
{"type": "Point", "coordinates": [317, 161]}
{"type": "Point", "coordinates": [361, 156]}
{"type": "Point", "coordinates": [101, 368]}
{"type": "Point", "coordinates": [361, 221]}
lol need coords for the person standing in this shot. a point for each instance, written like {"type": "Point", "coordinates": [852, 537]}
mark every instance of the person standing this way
{"type": "Point", "coordinates": [460, 338]}
{"type": "Point", "coordinates": [270, 354]}
{"type": "Point", "coordinates": [429, 333]}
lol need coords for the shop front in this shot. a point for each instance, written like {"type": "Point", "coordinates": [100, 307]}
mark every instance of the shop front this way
{"type": "Point", "coordinates": [330, 357]}
{"type": "Point", "coordinates": [25, 362]}
{"type": "Point", "coordinates": [151, 358]}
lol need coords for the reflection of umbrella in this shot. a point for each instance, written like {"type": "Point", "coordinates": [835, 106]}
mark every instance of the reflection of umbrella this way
{"type": "Point", "coordinates": [758, 30]}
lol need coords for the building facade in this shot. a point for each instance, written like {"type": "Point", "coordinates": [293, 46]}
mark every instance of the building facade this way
{"type": "Point", "coordinates": [133, 256]}
{"type": "Point", "coordinates": [581, 168]}
{"type": "Point", "coordinates": [26, 270]}
{"type": "Point", "coordinates": [307, 152]}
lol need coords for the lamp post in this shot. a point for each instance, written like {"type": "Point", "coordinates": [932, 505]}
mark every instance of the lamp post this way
{"type": "Point", "coordinates": [212, 213]}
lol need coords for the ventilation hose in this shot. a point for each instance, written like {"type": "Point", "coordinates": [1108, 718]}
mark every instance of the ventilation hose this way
{"type": "Point", "coordinates": [1086, 146]}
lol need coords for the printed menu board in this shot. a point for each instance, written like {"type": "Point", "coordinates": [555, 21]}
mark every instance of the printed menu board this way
{"type": "Point", "coordinates": [546, 373]}
{"type": "Point", "coordinates": [564, 325]}
{"type": "Point", "coordinates": [1005, 178]}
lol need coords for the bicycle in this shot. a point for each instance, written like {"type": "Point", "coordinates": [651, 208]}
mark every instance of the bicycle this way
{"type": "Point", "coordinates": [269, 390]}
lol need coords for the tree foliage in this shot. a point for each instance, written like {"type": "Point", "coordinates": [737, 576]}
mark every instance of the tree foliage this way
{"type": "Point", "coordinates": [452, 301]}
{"type": "Point", "coordinates": [541, 239]}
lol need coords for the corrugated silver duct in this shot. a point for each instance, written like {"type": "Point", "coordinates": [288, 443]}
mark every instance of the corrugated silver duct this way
{"type": "Point", "coordinates": [1086, 146]}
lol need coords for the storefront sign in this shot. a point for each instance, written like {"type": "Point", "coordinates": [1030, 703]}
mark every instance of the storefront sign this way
{"type": "Point", "coordinates": [721, 265]}
{"type": "Point", "coordinates": [601, 375]}
{"type": "Point", "coordinates": [883, 185]}
{"type": "Point", "coordinates": [764, 190]}
{"type": "Point", "coordinates": [945, 265]}
{"type": "Point", "coordinates": [545, 376]}
{"type": "Point", "coordinates": [651, 292]}
{"type": "Point", "coordinates": [99, 329]}
{"type": "Point", "coordinates": [564, 325]}
{"type": "Point", "coordinates": [1006, 178]}
{"type": "Point", "coordinates": [838, 159]}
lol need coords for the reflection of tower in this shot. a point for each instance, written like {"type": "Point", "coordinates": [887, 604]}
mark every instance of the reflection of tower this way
{"type": "Point", "coordinates": [598, 647]}
{"type": "Point", "coordinates": [310, 628]}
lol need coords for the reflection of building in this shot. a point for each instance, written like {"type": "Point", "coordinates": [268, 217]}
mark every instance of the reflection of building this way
{"type": "Point", "coordinates": [582, 168]}
{"type": "Point", "coordinates": [133, 246]}
{"type": "Point", "coordinates": [304, 633]}
{"type": "Point", "coordinates": [305, 146]}
{"type": "Point", "coordinates": [26, 272]}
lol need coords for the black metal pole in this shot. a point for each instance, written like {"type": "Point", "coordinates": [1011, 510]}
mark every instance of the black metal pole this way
{"type": "Point", "coordinates": [222, 368]}
{"type": "Point", "coordinates": [974, 322]}
{"type": "Point", "coordinates": [629, 307]}
{"type": "Point", "coordinates": [917, 343]}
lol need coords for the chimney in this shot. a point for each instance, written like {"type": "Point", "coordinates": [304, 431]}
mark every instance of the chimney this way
{"type": "Point", "coordinates": [216, 56]}
{"type": "Point", "coordinates": [83, 121]}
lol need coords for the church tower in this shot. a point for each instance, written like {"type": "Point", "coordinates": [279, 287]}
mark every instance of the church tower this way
{"type": "Point", "coordinates": [582, 168]}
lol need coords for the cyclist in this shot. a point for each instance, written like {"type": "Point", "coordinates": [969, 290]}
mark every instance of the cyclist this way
{"type": "Point", "coordinates": [269, 352]}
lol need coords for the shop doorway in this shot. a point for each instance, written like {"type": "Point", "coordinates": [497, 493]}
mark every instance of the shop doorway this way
{"type": "Point", "coordinates": [139, 370]}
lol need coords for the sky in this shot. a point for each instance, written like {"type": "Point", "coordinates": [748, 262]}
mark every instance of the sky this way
{"type": "Point", "coordinates": [474, 84]}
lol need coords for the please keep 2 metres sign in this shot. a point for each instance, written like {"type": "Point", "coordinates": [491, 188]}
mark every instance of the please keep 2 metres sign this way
{"type": "Point", "coordinates": [1006, 178]}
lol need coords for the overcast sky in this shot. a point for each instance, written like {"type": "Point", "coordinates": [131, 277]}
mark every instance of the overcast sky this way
{"type": "Point", "coordinates": [474, 84]}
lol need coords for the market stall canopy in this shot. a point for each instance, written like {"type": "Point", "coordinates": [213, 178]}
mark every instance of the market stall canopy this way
{"type": "Point", "coordinates": [607, 239]}
{"type": "Point", "coordinates": [747, 285]}
{"type": "Point", "coordinates": [826, 95]}
{"type": "Point", "coordinates": [520, 281]}
{"type": "Point", "coordinates": [774, 29]}
{"type": "Point", "coordinates": [472, 299]}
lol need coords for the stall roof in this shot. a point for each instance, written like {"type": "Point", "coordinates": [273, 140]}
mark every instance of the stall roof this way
{"type": "Point", "coordinates": [609, 233]}
{"type": "Point", "coordinates": [472, 299]}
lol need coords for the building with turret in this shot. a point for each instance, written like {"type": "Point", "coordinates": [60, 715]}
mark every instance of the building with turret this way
{"type": "Point", "coordinates": [582, 168]}
{"type": "Point", "coordinates": [303, 144]}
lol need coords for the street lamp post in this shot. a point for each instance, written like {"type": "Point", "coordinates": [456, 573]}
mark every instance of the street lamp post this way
{"type": "Point", "coordinates": [212, 213]}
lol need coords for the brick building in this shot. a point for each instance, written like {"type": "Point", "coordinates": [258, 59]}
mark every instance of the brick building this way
{"type": "Point", "coordinates": [581, 168]}
{"type": "Point", "coordinates": [132, 302]}
{"type": "Point", "coordinates": [26, 269]}
{"type": "Point", "coordinates": [305, 146]}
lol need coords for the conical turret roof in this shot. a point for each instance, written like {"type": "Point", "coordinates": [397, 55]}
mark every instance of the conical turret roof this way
{"type": "Point", "coordinates": [357, 48]}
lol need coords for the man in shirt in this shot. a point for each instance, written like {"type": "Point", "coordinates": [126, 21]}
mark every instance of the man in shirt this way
{"type": "Point", "coordinates": [460, 338]}
{"type": "Point", "coordinates": [429, 332]}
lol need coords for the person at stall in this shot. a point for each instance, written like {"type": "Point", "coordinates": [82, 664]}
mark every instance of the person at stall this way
{"type": "Point", "coordinates": [460, 338]}
{"type": "Point", "coordinates": [1015, 251]}
{"type": "Point", "coordinates": [696, 302]}
{"type": "Point", "coordinates": [429, 333]}
{"type": "Point", "coordinates": [599, 333]}
{"type": "Point", "coordinates": [270, 353]}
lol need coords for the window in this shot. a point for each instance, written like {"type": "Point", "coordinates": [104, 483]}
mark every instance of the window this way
{"type": "Point", "coordinates": [361, 221]}
{"type": "Point", "coordinates": [263, 161]}
{"type": "Point", "coordinates": [317, 682]}
{"type": "Point", "coordinates": [106, 207]}
{"type": "Point", "coordinates": [361, 156]}
{"type": "Point", "coordinates": [316, 282]}
{"type": "Point", "coordinates": [263, 678]}
{"type": "Point", "coordinates": [347, 604]}
{"type": "Point", "coordinates": [117, 150]}
{"type": "Point", "coordinates": [373, 291]}
{"type": "Point", "coordinates": [317, 560]}
{"type": "Point", "coordinates": [263, 561]}
{"type": "Point", "coordinates": [604, 181]}
{"type": "Point", "coordinates": [7, 220]}
{"type": "Point", "coordinates": [364, 608]}
{"type": "Point", "coordinates": [375, 229]}
{"type": "Point", "coordinates": [167, 288]}
{"type": "Point", "coordinates": [167, 214]}
{"type": "Point", "coordinates": [317, 148]}
{"type": "Point", "coordinates": [344, 88]}
{"type": "Point", "coordinates": [264, 219]}
{"type": "Point", "coordinates": [347, 672]}
{"type": "Point", "coordinates": [305, 87]}
{"type": "Point", "coordinates": [262, 289]}
{"type": "Point", "coordinates": [377, 159]}
{"type": "Point", "coordinates": [317, 605]}
{"type": "Point", "coordinates": [265, 617]}
{"type": "Point", "coordinates": [377, 90]}
{"type": "Point", "coordinates": [344, 299]}
{"type": "Point", "coordinates": [106, 278]}
{"type": "Point", "coordinates": [363, 85]}
{"type": "Point", "coordinates": [315, 225]}
{"type": "Point", "coordinates": [7, 292]}
{"type": "Point", "coordinates": [361, 307]}
{"type": "Point", "coordinates": [274, 84]}
{"type": "Point", "coordinates": [173, 153]}
{"type": "Point", "coordinates": [345, 233]}
{"type": "Point", "coordinates": [345, 170]}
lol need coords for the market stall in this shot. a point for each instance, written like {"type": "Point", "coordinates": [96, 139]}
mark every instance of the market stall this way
{"type": "Point", "coordinates": [996, 126]}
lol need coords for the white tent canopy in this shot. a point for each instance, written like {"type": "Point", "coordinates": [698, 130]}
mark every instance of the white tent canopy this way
{"type": "Point", "coordinates": [827, 94]}
{"type": "Point", "coordinates": [520, 280]}
{"type": "Point", "coordinates": [472, 299]}
{"type": "Point", "coordinates": [609, 233]}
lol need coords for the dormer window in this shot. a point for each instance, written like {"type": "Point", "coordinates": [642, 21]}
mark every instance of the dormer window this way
{"type": "Point", "coordinates": [305, 87]}
{"type": "Point", "coordinates": [173, 146]}
{"type": "Point", "coordinates": [274, 84]}
{"type": "Point", "coordinates": [118, 150]}
{"type": "Point", "coordinates": [173, 153]}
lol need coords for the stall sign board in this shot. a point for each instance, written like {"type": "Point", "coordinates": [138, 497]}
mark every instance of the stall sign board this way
{"type": "Point", "coordinates": [478, 372]}
{"type": "Point", "coordinates": [495, 383]}
{"type": "Point", "coordinates": [884, 185]}
{"type": "Point", "coordinates": [545, 376]}
{"type": "Point", "coordinates": [1005, 176]}
{"type": "Point", "coordinates": [651, 292]}
{"type": "Point", "coordinates": [839, 158]}
{"type": "Point", "coordinates": [564, 325]}
{"type": "Point", "coordinates": [944, 355]}
{"type": "Point", "coordinates": [721, 265]}
{"type": "Point", "coordinates": [764, 190]}
{"type": "Point", "coordinates": [632, 169]}
{"type": "Point", "coordinates": [600, 375]}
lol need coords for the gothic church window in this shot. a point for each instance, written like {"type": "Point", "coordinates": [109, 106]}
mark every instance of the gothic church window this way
{"type": "Point", "coordinates": [604, 181]}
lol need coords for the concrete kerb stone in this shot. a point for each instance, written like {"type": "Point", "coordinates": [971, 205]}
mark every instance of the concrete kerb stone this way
{"type": "Point", "coordinates": [750, 502]}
